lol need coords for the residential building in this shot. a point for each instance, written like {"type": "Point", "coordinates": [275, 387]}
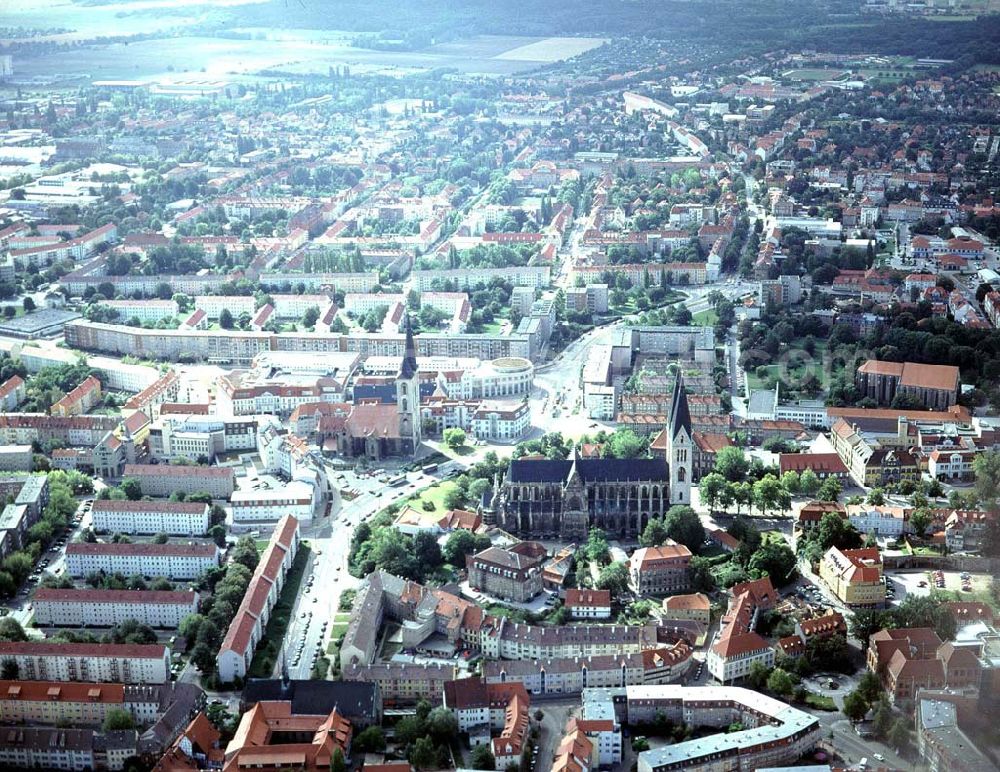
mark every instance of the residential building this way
{"type": "Point", "coordinates": [660, 570]}
{"type": "Point", "coordinates": [884, 521]}
{"type": "Point", "coordinates": [696, 608]}
{"type": "Point", "coordinates": [177, 560]}
{"type": "Point", "coordinates": [106, 608]}
{"type": "Point", "coordinates": [485, 708]}
{"type": "Point", "coordinates": [181, 518]}
{"type": "Point", "coordinates": [497, 421]}
{"type": "Point", "coordinates": [12, 393]}
{"type": "Point", "coordinates": [250, 622]}
{"type": "Point", "coordinates": [588, 604]}
{"type": "Point", "coordinates": [117, 663]}
{"type": "Point", "coordinates": [79, 400]}
{"type": "Point", "coordinates": [510, 574]}
{"type": "Point", "coordinates": [942, 744]}
{"type": "Point", "coordinates": [777, 733]}
{"type": "Point", "coordinates": [297, 499]}
{"type": "Point", "coordinates": [738, 646]}
{"type": "Point", "coordinates": [196, 748]}
{"type": "Point", "coordinates": [854, 576]}
{"type": "Point", "coordinates": [271, 736]}
{"type": "Point", "coordinates": [572, 675]}
{"type": "Point", "coordinates": [163, 479]}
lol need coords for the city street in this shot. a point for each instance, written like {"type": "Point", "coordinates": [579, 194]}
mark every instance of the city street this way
{"type": "Point", "coordinates": [330, 538]}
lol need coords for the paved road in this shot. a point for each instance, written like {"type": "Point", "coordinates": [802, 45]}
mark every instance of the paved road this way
{"type": "Point", "coordinates": [330, 538]}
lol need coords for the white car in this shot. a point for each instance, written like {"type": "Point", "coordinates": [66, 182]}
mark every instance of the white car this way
{"type": "Point", "coordinates": [879, 757]}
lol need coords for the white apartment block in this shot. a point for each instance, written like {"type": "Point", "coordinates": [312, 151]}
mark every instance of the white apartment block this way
{"type": "Point", "coordinates": [468, 278]}
{"type": "Point", "coordinates": [501, 421]}
{"type": "Point", "coordinates": [237, 305]}
{"type": "Point", "coordinates": [727, 666]}
{"type": "Point", "coordinates": [121, 376]}
{"type": "Point", "coordinates": [182, 518]}
{"type": "Point", "coordinates": [118, 663]}
{"type": "Point", "coordinates": [163, 479]}
{"type": "Point", "coordinates": [106, 608]}
{"type": "Point", "coordinates": [359, 303]}
{"type": "Point", "coordinates": [174, 561]}
{"type": "Point", "coordinates": [294, 306]}
{"type": "Point", "coordinates": [151, 311]}
{"type": "Point", "coordinates": [297, 499]}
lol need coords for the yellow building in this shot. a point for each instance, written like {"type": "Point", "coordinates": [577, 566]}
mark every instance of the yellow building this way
{"type": "Point", "coordinates": [854, 576]}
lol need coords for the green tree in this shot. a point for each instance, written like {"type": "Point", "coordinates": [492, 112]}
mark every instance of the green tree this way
{"type": "Point", "coordinates": [369, 740]}
{"type": "Point", "coordinates": [808, 482]}
{"type": "Point", "coordinates": [337, 763]}
{"type": "Point", "coordinates": [780, 682]}
{"type": "Point", "coordinates": [454, 438]}
{"type": "Point", "coordinates": [654, 534]}
{"type": "Point", "coordinates": [758, 675]}
{"type": "Point", "coordinates": [986, 472]}
{"type": "Point", "coordinates": [855, 706]}
{"type": "Point", "coordinates": [462, 543]}
{"type": "Point", "coordinates": [920, 520]}
{"type": "Point", "coordinates": [613, 577]}
{"type": "Point", "coordinates": [226, 319]}
{"type": "Point", "coordinates": [442, 724]}
{"type": "Point", "coordinates": [899, 734]}
{"type": "Point", "coordinates": [830, 490]}
{"type": "Point", "coordinates": [11, 631]}
{"type": "Point", "coordinates": [876, 497]}
{"type": "Point", "coordinates": [9, 669]}
{"type": "Point", "coordinates": [731, 464]}
{"type": "Point", "coordinates": [790, 482]}
{"type": "Point", "coordinates": [117, 718]}
{"type": "Point", "coordinates": [131, 488]}
{"type": "Point", "coordinates": [700, 574]}
{"type": "Point", "coordinates": [625, 443]}
{"type": "Point", "coordinates": [768, 494]}
{"type": "Point", "coordinates": [423, 753]}
{"type": "Point", "coordinates": [684, 526]}
{"type": "Point", "coordinates": [710, 489]}
{"type": "Point", "coordinates": [596, 548]}
{"type": "Point", "coordinates": [774, 559]}
{"type": "Point", "coordinates": [482, 757]}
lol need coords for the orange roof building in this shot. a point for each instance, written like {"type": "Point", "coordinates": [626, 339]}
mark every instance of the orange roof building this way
{"type": "Point", "coordinates": [270, 736]}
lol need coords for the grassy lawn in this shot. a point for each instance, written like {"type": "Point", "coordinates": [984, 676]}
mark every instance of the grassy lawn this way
{"type": "Point", "coordinates": [707, 318]}
{"type": "Point", "coordinates": [814, 73]}
{"type": "Point", "coordinates": [820, 702]}
{"type": "Point", "coordinates": [267, 652]}
{"type": "Point", "coordinates": [435, 494]}
{"type": "Point", "coordinates": [711, 551]}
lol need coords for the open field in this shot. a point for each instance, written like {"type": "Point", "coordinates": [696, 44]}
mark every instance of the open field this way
{"type": "Point", "coordinates": [814, 73]}
{"type": "Point", "coordinates": [552, 49]}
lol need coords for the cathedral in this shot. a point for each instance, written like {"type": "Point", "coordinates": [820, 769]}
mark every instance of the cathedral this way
{"type": "Point", "coordinates": [542, 498]}
{"type": "Point", "coordinates": [378, 430]}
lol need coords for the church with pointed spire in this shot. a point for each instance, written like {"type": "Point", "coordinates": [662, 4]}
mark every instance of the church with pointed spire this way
{"type": "Point", "coordinates": [377, 430]}
{"type": "Point", "coordinates": [564, 499]}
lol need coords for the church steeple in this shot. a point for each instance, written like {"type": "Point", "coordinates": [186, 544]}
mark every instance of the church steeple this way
{"type": "Point", "coordinates": [409, 367]}
{"type": "Point", "coordinates": [680, 445]}
{"type": "Point", "coordinates": [680, 415]}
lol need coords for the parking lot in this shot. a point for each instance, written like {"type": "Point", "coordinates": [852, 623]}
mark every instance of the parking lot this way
{"type": "Point", "coordinates": [920, 583]}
